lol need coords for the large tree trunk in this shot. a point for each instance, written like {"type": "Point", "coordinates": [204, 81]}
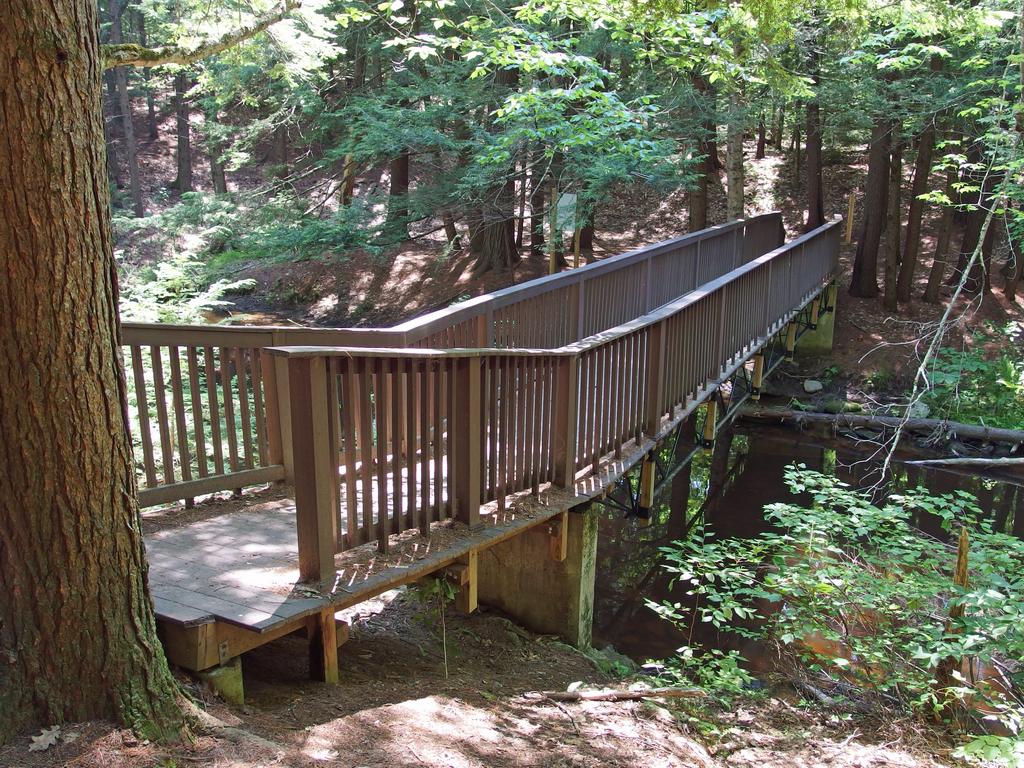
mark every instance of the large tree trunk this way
{"type": "Point", "coordinates": [815, 193]}
{"type": "Point", "coordinates": [124, 102]}
{"type": "Point", "coordinates": [697, 200]}
{"type": "Point", "coordinates": [893, 230]}
{"type": "Point", "coordinates": [77, 632]}
{"type": "Point", "coordinates": [931, 292]}
{"type": "Point", "coordinates": [538, 190]}
{"type": "Point", "coordinates": [213, 147]}
{"type": "Point", "coordinates": [147, 78]}
{"type": "Point", "coordinates": [759, 152]}
{"type": "Point", "coordinates": [709, 139]}
{"type": "Point", "coordinates": [493, 239]}
{"type": "Point", "coordinates": [183, 183]}
{"type": "Point", "coordinates": [734, 161]}
{"type": "Point", "coordinates": [912, 247]}
{"type": "Point", "coordinates": [398, 197]}
{"type": "Point", "coordinates": [865, 264]}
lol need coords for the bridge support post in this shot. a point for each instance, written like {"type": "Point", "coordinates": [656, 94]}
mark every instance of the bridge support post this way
{"type": "Point", "coordinates": [818, 340]}
{"type": "Point", "coordinates": [710, 423]}
{"type": "Point", "coordinates": [757, 377]}
{"type": "Point", "coordinates": [523, 578]}
{"type": "Point", "coordinates": [790, 340]}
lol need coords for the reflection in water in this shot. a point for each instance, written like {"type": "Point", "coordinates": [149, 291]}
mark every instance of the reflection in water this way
{"type": "Point", "coordinates": [727, 489]}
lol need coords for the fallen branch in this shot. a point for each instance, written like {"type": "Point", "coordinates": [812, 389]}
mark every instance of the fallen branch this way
{"type": "Point", "coordinates": [614, 695]}
{"type": "Point", "coordinates": [852, 420]}
{"type": "Point", "coordinates": [134, 55]}
{"type": "Point", "coordinates": [979, 462]}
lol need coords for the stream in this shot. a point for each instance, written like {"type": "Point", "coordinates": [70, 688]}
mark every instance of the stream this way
{"type": "Point", "coordinates": [728, 487]}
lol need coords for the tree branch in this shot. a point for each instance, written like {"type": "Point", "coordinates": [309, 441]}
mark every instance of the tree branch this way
{"type": "Point", "coordinates": [133, 55]}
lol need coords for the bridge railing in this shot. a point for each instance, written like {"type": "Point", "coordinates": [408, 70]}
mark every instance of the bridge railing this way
{"type": "Point", "coordinates": [209, 410]}
{"type": "Point", "coordinates": [391, 439]}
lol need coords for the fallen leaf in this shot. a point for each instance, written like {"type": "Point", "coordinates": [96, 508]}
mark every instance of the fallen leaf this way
{"type": "Point", "coordinates": [46, 739]}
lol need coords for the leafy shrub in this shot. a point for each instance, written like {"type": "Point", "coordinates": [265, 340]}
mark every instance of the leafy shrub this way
{"type": "Point", "coordinates": [969, 386]}
{"type": "Point", "coordinates": [855, 592]}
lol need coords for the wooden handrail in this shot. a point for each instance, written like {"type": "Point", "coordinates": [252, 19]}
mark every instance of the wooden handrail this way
{"type": "Point", "coordinates": [438, 431]}
{"type": "Point", "coordinates": [212, 405]}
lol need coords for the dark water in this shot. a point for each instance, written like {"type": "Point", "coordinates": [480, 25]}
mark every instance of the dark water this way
{"type": "Point", "coordinates": [727, 489]}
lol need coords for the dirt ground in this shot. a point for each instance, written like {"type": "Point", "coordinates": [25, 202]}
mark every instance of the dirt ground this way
{"type": "Point", "coordinates": [395, 706]}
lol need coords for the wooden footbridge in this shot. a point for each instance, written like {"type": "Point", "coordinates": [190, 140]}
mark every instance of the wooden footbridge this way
{"type": "Point", "coordinates": [456, 442]}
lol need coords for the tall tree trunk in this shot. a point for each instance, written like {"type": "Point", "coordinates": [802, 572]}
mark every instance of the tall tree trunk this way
{"type": "Point", "coordinates": [865, 264]}
{"type": "Point", "coordinates": [124, 103]}
{"type": "Point", "coordinates": [147, 78]}
{"type": "Point", "coordinates": [538, 203]}
{"type": "Point", "coordinates": [780, 128]}
{"type": "Point", "coordinates": [77, 631]}
{"type": "Point", "coordinates": [398, 197]}
{"type": "Point", "coordinates": [759, 152]}
{"type": "Point", "coordinates": [110, 112]}
{"type": "Point", "coordinates": [493, 239]}
{"type": "Point", "coordinates": [521, 217]}
{"type": "Point", "coordinates": [931, 292]}
{"type": "Point", "coordinates": [912, 247]}
{"type": "Point", "coordinates": [586, 238]}
{"type": "Point", "coordinates": [213, 147]}
{"type": "Point", "coordinates": [797, 143]}
{"type": "Point", "coordinates": [183, 129]}
{"type": "Point", "coordinates": [697, 200]}
{"type": "Point", "coordinates": [893, 230]}
{"type": "Point", "coordinates": [734, 161]}
{"type": "Point", "coordinates": [815, 188]}
{"type": "Point", "coordinates": [709, 139]}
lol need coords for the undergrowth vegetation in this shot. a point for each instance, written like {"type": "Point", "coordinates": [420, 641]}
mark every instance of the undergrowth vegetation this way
{"type": "Point", "coordinates": [198, 244]}
{"type": "Point", "coordinates": [866, 610]}
{"type": "Point", "coordinates": [971, 385]}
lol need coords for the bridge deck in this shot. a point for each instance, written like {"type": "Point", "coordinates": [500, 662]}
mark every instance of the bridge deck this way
{"type": "Point", "coordinates": [235, 575]}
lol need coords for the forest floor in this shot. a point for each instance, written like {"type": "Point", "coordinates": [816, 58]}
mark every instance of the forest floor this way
{"type": "Point", "coordinates": [395, 706]}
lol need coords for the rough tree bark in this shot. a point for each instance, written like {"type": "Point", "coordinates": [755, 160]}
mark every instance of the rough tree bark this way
{"type": "Point", "coordinates": [815, 191]}
{"type": "Point", "coordinates": [734, 160]}
{"type": "Point", "coordinates": [77, 632]}
{"type": "Point", "coordinates": [912, 246]}
{"type": "Point", "coordinates": [759, 152]}
{"type": "Point", "coordinates": [893, 229]}
{"type": "Point", "coordinates": [398, 197]}
{"type": "Point", "coordinates": [931, 292]}
{"type": "Point", "coordinates": [864, 283]}
{"type": "Point", "coordinates": [183, 182]}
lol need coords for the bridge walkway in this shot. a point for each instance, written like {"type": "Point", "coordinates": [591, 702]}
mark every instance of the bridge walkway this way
{"type": "Point", "coordinates": [415, 449]}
